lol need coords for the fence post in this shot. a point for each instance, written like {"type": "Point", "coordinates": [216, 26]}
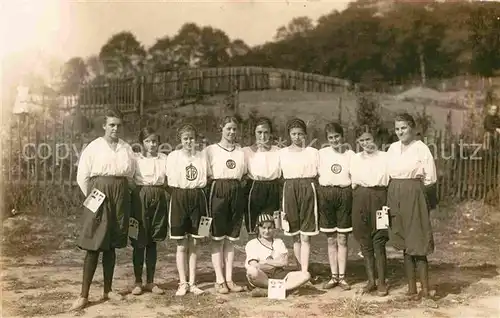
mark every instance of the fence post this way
{"type": "Point", "coordinates": [498, 175]}
{"type": "Point", "coordinates": [340, 110]}
{"type": "Point", "coordinates": [141, 96]}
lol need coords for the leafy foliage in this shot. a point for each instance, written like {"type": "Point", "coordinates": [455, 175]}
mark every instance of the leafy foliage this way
{"type": "Point", "coordinates": [368, 114]}
{"type": "Point", "coordinates": [370, 42]}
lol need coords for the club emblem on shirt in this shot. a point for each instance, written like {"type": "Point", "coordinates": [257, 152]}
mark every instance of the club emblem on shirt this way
{"type": "Point", "coordinates": [230, 164]}
{"type": "Point", "coordinates": [336, 168]}
{"type": "Point", "coordinates": [191, 172]}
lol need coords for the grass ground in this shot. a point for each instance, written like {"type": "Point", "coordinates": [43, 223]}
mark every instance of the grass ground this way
{"type": "Point", "coordinates": [323, 107]}
{"type": "Point", "coordinates": [41, 276]}
{"type": "Point", "coordinates": [41, 268]}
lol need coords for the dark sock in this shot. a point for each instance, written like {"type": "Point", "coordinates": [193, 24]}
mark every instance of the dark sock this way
{"type": "Point", "coordinates": [369, 261]}
{"type": "Point", "coordinates": [138, 260]}
{"type": "Point", "coordinates": [381, 265]}
{"type": "Point", "coordinates": [89, 267]}
{"type": "Point", "coordinates": [108, 268]}
{"type": "Point", "coordinates": [423, 273]}
{"type": "Point", "coordinates": [409, 263]}
{"type": "Point", "coordinates": [150, 262]}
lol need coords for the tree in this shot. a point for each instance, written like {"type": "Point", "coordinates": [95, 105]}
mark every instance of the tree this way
{"type": "Point", "coordinates": [214, 47]}
{"type": "Point", "coordinates": [74, 73]}
{"type": "Point", "coordinates": [417, 35]}
{"type": "Point", "coordinates": [122, 55]}
{"type": "Point", "coordinates": [368, 113]}
{"type": "Point", "coordinates": [238, 48]}
{"type": "Point", "coordinates": [484, 23]}
{"type": "Point", "coordinates": [299, 26]}
{"type": "Point", "coordinates": [348, 43]}
{"type": "Point", "coordinates": [187, 44]}
{"type": "Point", "coordinates": [162, 55]}
{"type": "Point", "coordinates": [95, 67]}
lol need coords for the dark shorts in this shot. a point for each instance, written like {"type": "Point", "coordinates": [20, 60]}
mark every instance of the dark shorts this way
{"type": "Point", "coordinates": [226, 205]}
{"type": "Point", "coordinates": [108, 227]}
{"type": "Point", "coordinates": [277, 273]}
{"type": "Point", "coordinates": [335, 204]}
{"type": "Point", "coordinates": [150, 209]}
{"type": "Point", "coordinates": [365, 203]}
{"type": "Point", "coordinates": [187, 206]}
{"type": "Point", "coordinates": [263, 197]}
{"type": "Point", "coordinates": [300, 206]}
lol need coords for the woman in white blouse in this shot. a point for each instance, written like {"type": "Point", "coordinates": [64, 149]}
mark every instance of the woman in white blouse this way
{"type": "Point", "coordinates": [149, 203]}
{"type": "Point", "coordinates": [187, 177]}
{"type": "Point", "coordinates": [299, 165]}
{"type": "Point", "coordinates": [226, 168]}
{"type": "Point", "coordinates": [369, 181]}
{"type": "Point", "coordinates": [264, 172]}
{"type": "Point", "coordinates": [412, 173]}
{"type": "Point", "coordinates": [106, 164]}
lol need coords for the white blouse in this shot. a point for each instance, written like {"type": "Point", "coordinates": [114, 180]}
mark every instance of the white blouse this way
{"type": "Point", "coordinates": [187, 171]}
{"type": "Point", "coordinates": [150, 170]}
{"type": "Point", "coordinates": [370, 170]}
{"type": "Point", "coordinates": [263, 165]}
{"type": "Point", "coordinates": [226, 164]}
{"type": "Point", "coordinates": [255, 250]}
{"type": "Point", "coordinates": [334, 167]}
{"type": "Point", "coordinates": [98, 159]}
{"type": "Point", "coordinates": [415, 162]}
{"type": "Point", "coordinates": [299, 164]}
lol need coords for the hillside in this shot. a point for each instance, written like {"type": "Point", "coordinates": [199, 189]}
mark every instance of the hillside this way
{"type": "Point", "coordinates": [323, 107]}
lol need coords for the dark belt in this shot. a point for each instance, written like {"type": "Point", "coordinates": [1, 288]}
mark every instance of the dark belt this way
{"type": "Point", "coordinates": [335, 186]}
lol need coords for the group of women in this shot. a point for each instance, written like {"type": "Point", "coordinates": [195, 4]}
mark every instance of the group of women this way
{"type": "Point", "coordinates": [332, 190]}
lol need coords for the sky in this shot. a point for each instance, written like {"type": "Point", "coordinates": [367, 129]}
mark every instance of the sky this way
{"type": "Point", "coordinates": [79, 28]}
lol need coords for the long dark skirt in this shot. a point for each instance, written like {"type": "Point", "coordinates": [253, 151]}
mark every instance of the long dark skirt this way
{"type": "Point", "coordinates": [108, 227]}
{"type": "Point", "coordinates": [150, 209]}
{"type": "Point", "coordinates": [410, 224]}
{"type": "Point", "coordinates": [365, 203]}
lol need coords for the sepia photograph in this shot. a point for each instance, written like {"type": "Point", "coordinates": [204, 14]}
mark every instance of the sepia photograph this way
{"type": "Point", "coordinates": [250, 158]}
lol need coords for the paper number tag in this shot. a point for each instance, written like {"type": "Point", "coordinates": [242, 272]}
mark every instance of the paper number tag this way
{"type": "Point", "coordinates": [276, 289]}
{"type": "Point", "coordinates": [383, 218]}
{"type": "Point", "coordinates": [133, 228]}
{"type": "Point", "coordinates": [94, 200]}
{"type": "Point", "coordinates": [204, 228]}
{"type": "Point", "coordinates": [277, 219]}
{"type": "Point", "coordinates": [285, 226]}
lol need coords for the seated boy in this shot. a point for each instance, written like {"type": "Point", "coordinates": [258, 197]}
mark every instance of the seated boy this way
{"type": "Point", "coordinates": [266, 258]}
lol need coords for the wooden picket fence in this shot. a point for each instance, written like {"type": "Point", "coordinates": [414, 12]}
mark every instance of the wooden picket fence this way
{"type": "Point", "coordinates": [179, 87]}
{"type": "Point", "coordinates": [43, 152]}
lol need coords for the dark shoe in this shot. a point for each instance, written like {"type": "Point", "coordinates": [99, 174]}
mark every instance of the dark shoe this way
{"type": "Point", "coordinates": [343, 284]}
{"type": "Point", "coordinates": [79, 304]}
{"type": "Point", "coordinates": [409, 264]}
{"type": "Point", "coordinates": [370, 272]}
{"type": "Point", "coordinates": [234, 288]}
{"type": "Point", "coordinates": [381, 264]}
{"type": "Point", "coordinates": [333, 282]}
{"type": "Point", "coordinates": [137, 289]}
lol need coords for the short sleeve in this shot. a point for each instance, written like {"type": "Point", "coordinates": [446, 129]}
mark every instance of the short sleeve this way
{"type": "Point", "coordinates": [281, 247]}
{"type": "Point", "coordinates": [251, 253]}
